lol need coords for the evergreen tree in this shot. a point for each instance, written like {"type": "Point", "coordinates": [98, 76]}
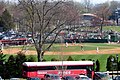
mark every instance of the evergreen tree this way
{"type": "Point", "coordinates": [10, 65]}
{"type": "Point", "coordinates": [119, 66]}
{"type": "Point", "coordinates": [54, 59]}
{"type": "Point", "coordinates": [1, 24]}
{"type": "Point", "coordinates": [83, 59]}
{"type": "Point", "coordinates": [6, 21]}
{"type": "Point", "coordinates": [70, 59]}
{"type": "Point", "coordinates": [2, 63]}
{"type": "Point", "coordinates": [31, 59]}
{"type": "Point", "coordinates": [97, 65]}
{"type": "Point", "coordinates": [20, 58]}
{"type": "Point", "coordinates": [2, 57]}
{"type": "Point", "coordinates": [109, 65]}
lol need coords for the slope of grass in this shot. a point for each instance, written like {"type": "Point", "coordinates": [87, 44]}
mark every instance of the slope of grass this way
{"type": "Point", "coordinates": [101, 57]}
{"type": "Point", "coordinates": [113, 28]}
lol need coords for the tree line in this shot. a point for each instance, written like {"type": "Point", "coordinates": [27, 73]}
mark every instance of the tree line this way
{"type": "Point", "coordinates": [12, 67]}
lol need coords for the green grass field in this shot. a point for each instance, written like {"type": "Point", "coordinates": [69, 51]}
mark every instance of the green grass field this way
{"type": "Point", "coordinates": [76, 48]}
{"type": "Point", "coordinates": [113, 28]}
{"type": "Point", "coordinates": [101, 57]}
{"type": "Point", "coordinates": [87, 46]}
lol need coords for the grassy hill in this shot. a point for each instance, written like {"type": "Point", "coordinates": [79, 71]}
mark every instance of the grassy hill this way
{"type": "Point", "coordinates": [113, 28]}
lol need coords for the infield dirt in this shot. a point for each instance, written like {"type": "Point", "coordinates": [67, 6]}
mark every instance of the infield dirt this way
{"type": "Point", "coordinates": [33, 52]}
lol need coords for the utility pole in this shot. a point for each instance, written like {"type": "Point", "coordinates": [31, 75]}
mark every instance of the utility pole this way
{"type": "Point", "coordinates": [117, 63]}
{"type": "Point", "coordinates": [112, 60]}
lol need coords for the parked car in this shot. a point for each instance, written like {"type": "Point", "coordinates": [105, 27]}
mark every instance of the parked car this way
{"type": "Point", "coordinates": [14, 78]}
{"type": "Point", "coordinates": [51, 77]}
{"type": "Point", "coordinates": [1, 78]}
{"type": "Point", "coordinates": [117, 78]}
{"type": "Point", "coordinates": [101, 76]}
{"type": "Point", "coordinates": [68, 78]}
{"type": "Point", "coordinates": [82, 77]}
{"type": "Point", "coordinates": [33, 78]}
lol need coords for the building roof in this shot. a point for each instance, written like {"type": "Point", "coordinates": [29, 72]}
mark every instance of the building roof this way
{"type": "Point", "coordinates": [90, 14]}
{"type": "Point", "coordinates": [58, 63]}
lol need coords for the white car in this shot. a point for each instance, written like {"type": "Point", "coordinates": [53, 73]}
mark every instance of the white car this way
{"type": "Point", "coordinates": [82, 77]}
{"type": "Point", "coordinates": [1, 78]}
{"type": "Point", "coordinates": [14, 79]}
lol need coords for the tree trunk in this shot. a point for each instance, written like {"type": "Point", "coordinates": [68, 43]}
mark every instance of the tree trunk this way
{"type": "Point", "coordinates": [101, 26]}
{"type": "Point", "coordinates": [39, 55]}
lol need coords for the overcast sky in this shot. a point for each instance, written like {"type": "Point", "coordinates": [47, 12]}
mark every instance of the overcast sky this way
{"type": "Point", "coordinates": [92, 1]}
{"type": "Point", "coordinates": [97, 1]}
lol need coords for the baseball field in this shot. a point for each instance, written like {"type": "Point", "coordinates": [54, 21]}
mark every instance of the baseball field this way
{"type": "Point", "coordinates": [93, 51]}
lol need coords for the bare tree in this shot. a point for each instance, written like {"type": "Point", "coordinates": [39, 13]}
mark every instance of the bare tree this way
{"type": "Point", "coordinates": [88, 5]}
{"type": "Point", "coordinates": [103, 11]}
{"type": "Point", "coordinates": [44, 17]}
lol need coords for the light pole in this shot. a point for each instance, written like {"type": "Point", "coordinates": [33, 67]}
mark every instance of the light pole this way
{"type": "Point", "coordinates": [117, 63]}
{"type": "Point", "coordinates": [116, 16]}
{"type": "Point", "coordinates": [112, 60]}
{"type": "Point", "coordinates": [4, 70]}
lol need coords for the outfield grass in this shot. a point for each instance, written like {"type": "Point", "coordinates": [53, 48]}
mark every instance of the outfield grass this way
{"type": "Point", "coordinates": [75, 48]}
{"type": "Point", "coordinates": [101, 57]}
{"type": "Point", "coordinates": [87, 46]}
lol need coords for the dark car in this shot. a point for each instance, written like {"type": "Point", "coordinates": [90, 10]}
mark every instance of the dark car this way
{"type": "Point", "coordinates": [82, 77]}
{"type": "Point", "coordinates": [68, 78]}
{"type": "Point", "coordinates": [117, 78]}
{"type": "Point", "coordinates": [101, 75]}
{"type": "Point", "coordinates": [33, 78]}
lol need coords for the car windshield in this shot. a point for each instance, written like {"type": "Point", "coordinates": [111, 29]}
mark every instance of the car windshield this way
{"type": "Point", "coordinates": [69, 78]}
{"type": "Point", "coordinates": [84, 78]}
{"type": "Point", "coordinates": [102, 75]}
{"type": "Point", "coordinates": [117, 78]}
{"type": "Point", "coordinates": [57, 77]}
{"type": "Point", "coordinates": [34, 79]}
{"type": "Point", "coordinates": [52, 77]}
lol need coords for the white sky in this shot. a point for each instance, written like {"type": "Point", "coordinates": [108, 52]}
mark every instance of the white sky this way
{"type": "Point", "coordinates": [97, 1]}
{"type": "Point", "coordinates": [92, 1]}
